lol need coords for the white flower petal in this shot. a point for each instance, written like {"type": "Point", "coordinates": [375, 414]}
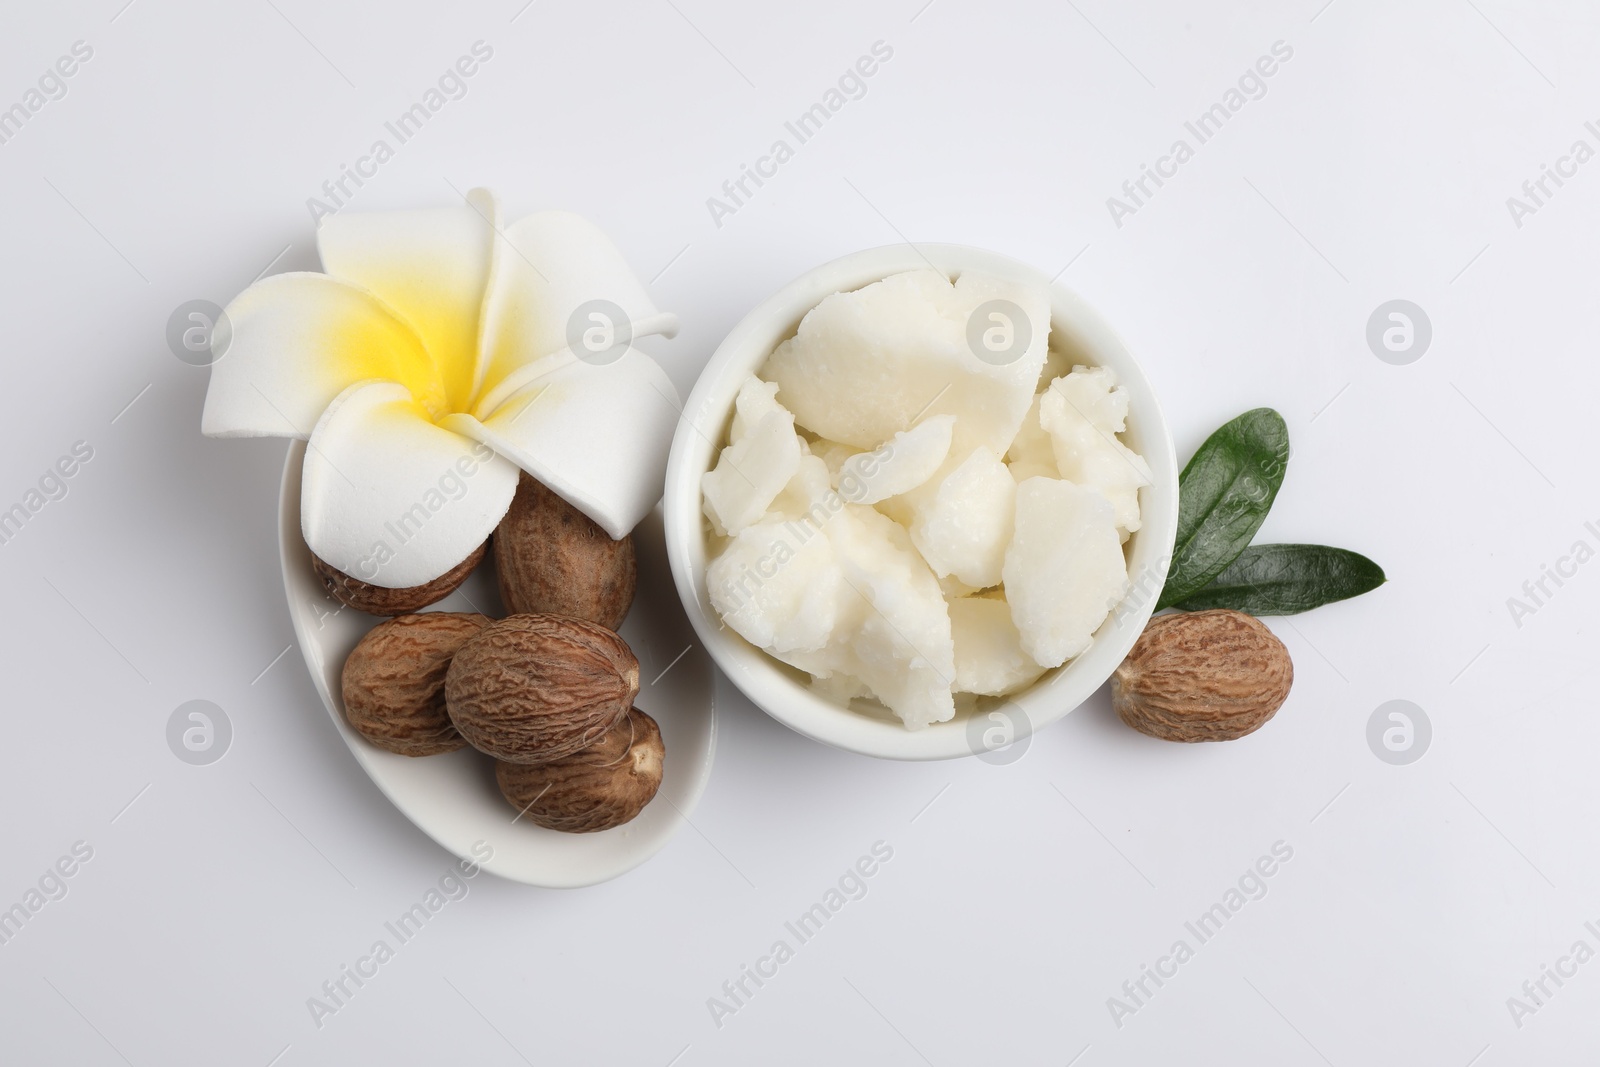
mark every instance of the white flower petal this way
{"type": "Point", "coordinates": [431, 266]}
{"type": "Point", "coordinates": [546, 267]}
{"type": "Point", "coordinates": [596, 434]}
{"type": "Point", "coordinates": [392, 499]}
{"type": "Point", "coordinates": [291, 343]}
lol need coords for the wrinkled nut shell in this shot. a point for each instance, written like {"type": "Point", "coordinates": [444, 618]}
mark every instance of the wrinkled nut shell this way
{"type": "Point", "coordinates": [552, 558]}
{"type": "Point", "coordinates": [376, 600]}
{"type": "Point", "coordinates": [1202, 676]}
{"type": "Point", "coordinates": [393, 681]}
{"type": "Point", "coordinates": [605, 785]}
{"type": "Point", "coordinates": [537, 688]}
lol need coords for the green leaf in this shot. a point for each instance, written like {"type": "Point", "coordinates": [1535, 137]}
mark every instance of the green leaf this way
{"type": "Point", "coordinates": [1286, 579]}
{"type": "Point", "coordinates": [1224, 493]}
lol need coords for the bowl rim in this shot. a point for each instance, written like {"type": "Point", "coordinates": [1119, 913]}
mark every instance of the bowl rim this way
{"type": "Point", "coordinates": [766, 681]}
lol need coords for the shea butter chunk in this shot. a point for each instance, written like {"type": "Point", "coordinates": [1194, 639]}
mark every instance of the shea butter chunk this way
{"type": "Point", "coordinates": [1082, 412]}
{"type": "Point", "coordinates": [1032, 453]}
{"type": "Point", "coordinates": [777, 588]}
{"type": "Point", "coordinates": [894, 629]}
{"type": "Point", "coordinates": [989, 656]}
{"type": "Point", "coordinates": [898, 465]}
{"type": "Point", "coordinates": [751, 472]}
{"type": "Point", "coordinates": [865, 365]}
{"type": "Point", "coordinates": [1064, 571]}
{"type": "Point", "coordinates": [806, 495]}
{"type": "Point", "coordinates": [962, 525]}
{"type": "Point", "coordinates": [756, 400]}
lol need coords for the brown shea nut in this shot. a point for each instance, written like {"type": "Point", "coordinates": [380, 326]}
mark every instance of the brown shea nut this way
{"type": "Point", "coordinates": [1202, 676]}
{"type": "Point", "coordinates": [604, 785]}
{"type": "Point", "coordinates": [553, 558]}
{"type": "Point", "coordinates": [376, 600]}
{"type": "Point", "coordinates": [394, 681]}
{"type": "Point", "coordinates": [537, 688]}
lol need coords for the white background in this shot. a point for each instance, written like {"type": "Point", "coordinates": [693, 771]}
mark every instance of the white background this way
{"type": "Point", "coordinates": [1377, 166]}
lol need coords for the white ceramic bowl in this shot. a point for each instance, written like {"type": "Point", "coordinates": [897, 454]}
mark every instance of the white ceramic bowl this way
{"type": "Point", "coordinates": [780, 690]}
{"type": "Point", "coordinates": [453, 797]}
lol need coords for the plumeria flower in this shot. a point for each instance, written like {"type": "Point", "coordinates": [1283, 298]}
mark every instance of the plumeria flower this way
{"type": "Point", "coordinates": [440, 353]}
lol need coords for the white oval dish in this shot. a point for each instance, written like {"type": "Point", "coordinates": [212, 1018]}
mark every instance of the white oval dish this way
{"type": "Point", "coordinates": [452, 797]}
{"type": "Point", "coordinates": [781, 690]}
